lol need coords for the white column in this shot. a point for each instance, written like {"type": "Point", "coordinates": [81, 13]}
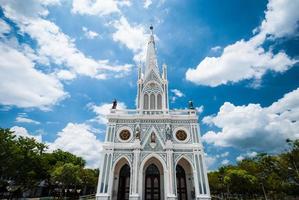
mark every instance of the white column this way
{"type": "Point", "coordinates": [135, 171]}
{"type": "Point", "coordinates": [170, 171]}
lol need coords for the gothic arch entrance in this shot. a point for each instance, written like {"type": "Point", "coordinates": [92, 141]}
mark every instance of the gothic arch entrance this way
{"type": "Point", "coordinates": [121, 180]}
{"type": "Point", "coordinates": [152, 176]}
{"type": "Point", "coordinates": [184, 180]}
{"type": "Point", "coordinates": [124, 183]}
{"type": "Point", "coordinates": [181, 183]}
{"type": "Point", "coordinates": [152, 183]}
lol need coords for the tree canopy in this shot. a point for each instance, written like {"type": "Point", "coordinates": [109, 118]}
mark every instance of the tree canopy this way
{"type": "Point", "coordinates": [25, 164]}
{"type": "Point", "coordinates": [270, 175]}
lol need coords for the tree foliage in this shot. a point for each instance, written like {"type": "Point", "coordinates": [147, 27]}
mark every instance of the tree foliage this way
{"type": "Point", "coordinates": [277, 175]}
{"type": "Point", "coordinates": [24, 164]}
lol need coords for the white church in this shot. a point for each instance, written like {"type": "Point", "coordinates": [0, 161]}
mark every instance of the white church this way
{"type": "Point", "coordinates": [152, 152]}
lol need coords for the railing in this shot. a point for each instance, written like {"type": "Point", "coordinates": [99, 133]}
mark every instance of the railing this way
{"type": "Point", "coordinates": [153, 112]}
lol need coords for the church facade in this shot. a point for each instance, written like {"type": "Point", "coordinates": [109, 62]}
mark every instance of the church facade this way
{"type": "Point", "coordinates": [152, 152]}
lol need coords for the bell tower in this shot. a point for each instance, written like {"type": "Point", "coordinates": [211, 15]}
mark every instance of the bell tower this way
{"type": "Point", "coordinates": [152, 92]}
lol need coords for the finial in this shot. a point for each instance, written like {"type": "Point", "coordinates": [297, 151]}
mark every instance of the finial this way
{"type": "Point", "coordinates": [152, 29]}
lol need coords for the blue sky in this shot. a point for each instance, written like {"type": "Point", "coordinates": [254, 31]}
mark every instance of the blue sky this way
{"type": "Point", "coordinates": [63, 62]}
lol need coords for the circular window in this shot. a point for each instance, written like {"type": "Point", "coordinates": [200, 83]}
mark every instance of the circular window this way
{"type": "Point", "coordinates": [124, 134]}
{"type": "Point", "coordinates": [181, 135]}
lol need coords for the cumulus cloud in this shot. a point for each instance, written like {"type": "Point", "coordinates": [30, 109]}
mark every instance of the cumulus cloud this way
{"type": "Point", "coordinates": [24, 86]}
{"type": "Point", "coordinates": [248, 59]}
{"type": "Point", "coordinates": [89, 34]}
{"type": "Point", "coordinates": [95, 7]}
{"type": "Point", "coordinates": [22, 118]}
{"type": "Point", "coordinates": [21, 131]}
{"type": "Point", "coordinates": [134, 37]}
{"type": "Point", "coordinates": [52, 44]}
{"type": "Point", "coordinates": [104, 109]}
{"type": "Point", "coordinates": [79, 139]}
{"type": "Point", "coordinates": [281, 18]}
{"type": "Point", "coordinates": [65, 75]}
{"type": "Point", "coordinates": [253, 127]}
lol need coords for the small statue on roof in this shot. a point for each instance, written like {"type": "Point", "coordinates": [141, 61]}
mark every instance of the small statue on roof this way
{"type": "Point", "coordinates": [114, 104]}
{"type": "Point", "coordinates": [190, 105]}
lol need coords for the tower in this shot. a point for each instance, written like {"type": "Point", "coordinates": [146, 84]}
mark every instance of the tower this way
{"type": "Point", "coordinates": [152, 152]}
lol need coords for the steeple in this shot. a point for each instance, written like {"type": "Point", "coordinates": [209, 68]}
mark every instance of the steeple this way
{"type": "Point", "coordinates": [151, 58]}
{"type": "Point", "coordinates": [152, 88]}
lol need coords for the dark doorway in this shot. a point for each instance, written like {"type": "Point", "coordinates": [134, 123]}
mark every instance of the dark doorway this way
{"type": "Point", "coordinates": [181, 183]}
{"type": "Point", "coordinates": [152, 183]}
{"type": "Point", "coordinates": [124, 183]}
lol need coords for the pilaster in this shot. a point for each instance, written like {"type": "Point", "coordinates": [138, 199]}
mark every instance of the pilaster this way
{"type": "Point", "coordinates": [135, 170]}
{"type": "Point", "coordinates": [170, 172]}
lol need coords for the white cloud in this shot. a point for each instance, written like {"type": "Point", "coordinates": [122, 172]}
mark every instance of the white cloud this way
{"type": "Point", "coordinates": [90, 34]}
{"type": "Point", "coordinates": [53, 45]}
{"type": "Point", "coordinates": [134, 37]}
{"type": "Point", "coordinates": [248, 154]}
{"type": "Point", "coordinates": [210, 161]}
{"type": "Point", "coordinates": [248, 59]}
{"type": "Point", "coordinates": [199, 109]}
{"type": "Point", "coordinates": [95, 7]}
{"type": "Point", "coordinates": [24, 86]}
{"type": "Point", "coordinates": [239, 61]}
{"type": "Point", "coordinates": [21, 131]}
{"type": "Point", "coordinates": [79, 139]}
{"type": "Point", "coordinates": [65, 75]}
{"type": "Point", "coordinates": [103, 110]}
{"type": "Point", "coordinates": [216, 48]}
{"type": "Point", "coordinates": [4, 27]}
{"type": "Point", "coordinates": [281, 18]}
{"type": "Point", "coordinates": [255, 127]}
{"type": "Point", "coordinates": [147, 3]}
{"type": "Point", "coordinates": [22, 118]}
{"type": "Point", "coordinates": [240, 158]}
{"type": "Point", "coordinates": [251, 154]}
{"type": "Point", "coordinates": [225, 162]}
{"type": "Point", "coordinates": [177, 92]}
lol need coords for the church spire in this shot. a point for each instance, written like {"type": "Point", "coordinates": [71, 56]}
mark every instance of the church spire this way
{"type": "Point", "coordinates": [151, 58]}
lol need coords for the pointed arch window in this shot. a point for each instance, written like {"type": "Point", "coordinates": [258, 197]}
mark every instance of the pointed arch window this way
{"type": "Point", "coordinates": [145, 102]}
{"type": "Point", "coordinates": [159, 101]}
{"type": "Point", "coordinates": [152, 102]}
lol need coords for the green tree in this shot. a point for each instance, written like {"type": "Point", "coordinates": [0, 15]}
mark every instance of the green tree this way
{"type": "Point", "coordinates": [67, 174]}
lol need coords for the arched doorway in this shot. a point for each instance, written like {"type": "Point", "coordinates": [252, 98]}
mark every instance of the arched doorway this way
{"type": "Point", "coordinates": [184, 180]}
{"type": "Point", "coordinates": [124, 183]}
{"type": "Point", "coordinates": [181, 183]}
{"type": "Point", "coordinates": [151, 174]}
{"type": "Point", "coordinates": [152, 183]}
{"type": "Point", "coordinates": [121, 179]}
